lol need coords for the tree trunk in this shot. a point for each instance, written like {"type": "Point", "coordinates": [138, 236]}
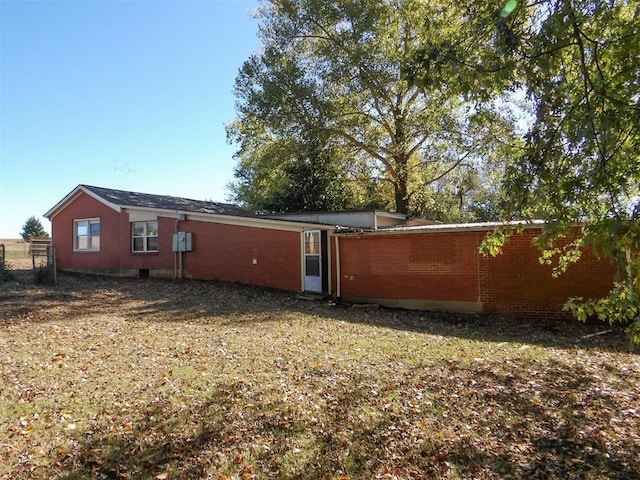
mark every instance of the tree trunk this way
{"type": "Point", "coordinates": [401, 196]}
{"type": "Point", "coordinates": [400, 181]}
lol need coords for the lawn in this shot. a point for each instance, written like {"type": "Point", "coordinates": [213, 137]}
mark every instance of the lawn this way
{"type": "Point", "coordinates": [147, 379]}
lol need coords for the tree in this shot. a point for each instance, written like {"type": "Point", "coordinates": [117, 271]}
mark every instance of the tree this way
{"type": "Point", "coordinates": [33, 228]}
{"type": "Point", "coordinates": [292, 177]}
{"type": "Point", "coordinates": [582, 162]}
{"type": "Point", "coordinates": [340, 70]}
{"type": "Point", "coordinates": [579, 63]}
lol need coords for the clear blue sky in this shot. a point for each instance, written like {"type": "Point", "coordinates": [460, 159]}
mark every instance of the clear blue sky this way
{"type": "Point", "coordinates": [132, 95]}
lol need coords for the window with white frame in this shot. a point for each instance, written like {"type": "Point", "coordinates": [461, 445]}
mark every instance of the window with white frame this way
{"type": "Point", "coordinates": [145, 236]}
{"type": "Point", "coordinates": [86, 235]}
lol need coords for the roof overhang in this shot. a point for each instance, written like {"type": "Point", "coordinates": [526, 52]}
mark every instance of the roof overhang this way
{"type": "Point", "coordinates": [75, 193]}
{"type": "Point", "coordinates": [443, 228]}
{"type": "Point", "coordinates": [256, 222]}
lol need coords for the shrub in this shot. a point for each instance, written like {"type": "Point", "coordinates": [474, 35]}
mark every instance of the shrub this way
{"type": "Point", "coordinates": [6, 274]}
{"type": "Point", "coordinates": [43, 275]}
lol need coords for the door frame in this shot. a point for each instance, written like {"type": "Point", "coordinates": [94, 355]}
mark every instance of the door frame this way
{"type": "Point", "coordinates": [321, 285]}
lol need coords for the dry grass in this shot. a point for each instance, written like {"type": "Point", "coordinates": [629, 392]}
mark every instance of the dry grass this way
{"type": "Point", "coordinates": [17, 260]}
{"type": "Point", "coordinates": [15, 249]}
{"type": "Point", "coordinates": [124, 379]}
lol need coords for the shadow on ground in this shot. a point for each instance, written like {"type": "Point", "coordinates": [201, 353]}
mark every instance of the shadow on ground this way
{"type": "Point", "coordinates": [226, 303]}
{"type": "Point", "coordinates": [224, 435]}
{"type": "Point", "coordinates": [432, 420]}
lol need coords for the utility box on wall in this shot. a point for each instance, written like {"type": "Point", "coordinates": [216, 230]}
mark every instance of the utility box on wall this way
{"type": "Point", "coordinates": [182, 242]}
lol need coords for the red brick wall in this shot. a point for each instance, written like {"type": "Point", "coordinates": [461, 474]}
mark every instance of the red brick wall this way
{"type": "Point", "coordinates": [515, 283]}
{"type": "Point", "coordinates": [226, 252]}
{"type": "Point", "coordinates": [110, 236]}
{"type": "Point", "coordinates": [437, 266]}
{"type": "Point", "coordinates": [115, 253]}
{"type": "Point", "coordinates": [163, 259]}
{"type": "Point", "coordinates": [448, 267]}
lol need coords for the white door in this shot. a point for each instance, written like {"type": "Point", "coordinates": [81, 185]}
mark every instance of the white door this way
{"type": "Point", "coordinates": [312, 261]}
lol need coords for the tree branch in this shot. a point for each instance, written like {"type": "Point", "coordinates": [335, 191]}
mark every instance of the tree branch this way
{"type": "Point", "coordinates": [449, 170]}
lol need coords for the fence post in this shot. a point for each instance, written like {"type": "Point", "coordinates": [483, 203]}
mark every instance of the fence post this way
{"type": "Point", "coordinates": [55, 267]}
{"type": "Point", "coordinates": [43, 249]}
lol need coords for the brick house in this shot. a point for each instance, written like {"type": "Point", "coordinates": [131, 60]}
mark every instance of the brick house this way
{"type": "Point", "coordinates": [375, 256]}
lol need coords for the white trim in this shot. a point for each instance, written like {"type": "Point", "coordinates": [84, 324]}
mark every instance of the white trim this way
{"type": "Point", "coordinates": [302, 260]}
{"type": "Point", "coordinates": [255, 222]}
{"type": "Point", "coordinates": [252, 222]}
{"type": "Point", "coordinates": [75, 235]}
{"type": "Point", "coordinates": [314, 288]}
{"type": "Point", "coordinates": [68, 199]}
{"type": "Point", "coordinates": [141, 215]}
{"type": "Point", "coordinates": [329, 263]}
{"type": "Point", "coordinates": [97, 197]}
{"type": "Point", "coordinates": [145, 237]}
{"type": "Point", "coordinates": [397, 216]}
{"type": "Point", "coordinates": [73, 195]}
{"type": "Point", "coordinates": [443, 228]}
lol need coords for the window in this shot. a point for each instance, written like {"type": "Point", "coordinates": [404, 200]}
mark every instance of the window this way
{"type": "Point", "coordinates": [145, 236]}
{"type": "Point", "coordinates": [312, 242]}
{"type": "Point", "coordinates": [86, 235]}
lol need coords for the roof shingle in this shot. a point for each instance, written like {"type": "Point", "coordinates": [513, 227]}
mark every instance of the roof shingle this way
{"type": "Point", "coordinates": [124, 198]}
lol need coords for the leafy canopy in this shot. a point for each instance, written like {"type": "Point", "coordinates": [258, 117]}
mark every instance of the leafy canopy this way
{"type": "Point", "coordinates": [291, 176]}
{"type": "Point", "coordinates": [578, 61]}
{"type": "Point", "coordinates": [582, 162]}
{"type": "Point", "coordinates": [340, 71]}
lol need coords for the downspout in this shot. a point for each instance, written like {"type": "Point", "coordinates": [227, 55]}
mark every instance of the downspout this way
{"type": "Point", "coordinates": [479, 285]}
{"type": "Point", "coordinates": [175, 255]}
{"type": "Point", "coordinates": [337, 267]}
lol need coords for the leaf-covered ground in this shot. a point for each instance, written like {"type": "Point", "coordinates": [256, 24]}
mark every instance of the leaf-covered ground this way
{"type": "Point", "coordinates": [145, 379]}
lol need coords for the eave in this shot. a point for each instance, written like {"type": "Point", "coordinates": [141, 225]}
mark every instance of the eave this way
{"type": "Point", "coordinates": [75, 193]}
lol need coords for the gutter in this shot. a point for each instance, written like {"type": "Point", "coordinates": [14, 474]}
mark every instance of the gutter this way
{"type": "Point", "coordinates": [439, 228]}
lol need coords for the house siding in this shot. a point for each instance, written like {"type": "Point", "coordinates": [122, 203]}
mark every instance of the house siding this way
{"type": "Point", "coordinates": [84, 206]}
{"type": "Point", "coordinates": [221, 251]}
{"type": "Point", "coordinates": [445, 271]}
{"type": "Point", "coordinates": [515, 283]}
{"type": "Point", "coordinates": [227, 252]}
